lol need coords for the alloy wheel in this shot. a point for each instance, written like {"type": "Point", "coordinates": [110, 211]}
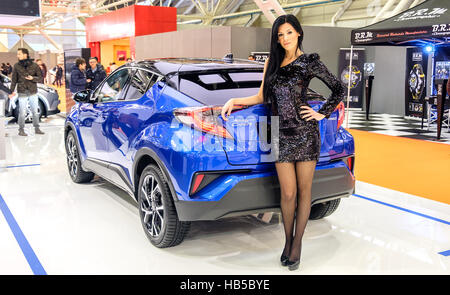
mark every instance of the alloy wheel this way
{"type": "Point", "coordinates": [72, 157]}
{"type": "Point", "coordinates": [152, 206]}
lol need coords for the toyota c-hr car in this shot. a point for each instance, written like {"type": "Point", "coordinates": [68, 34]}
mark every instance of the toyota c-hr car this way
{"type": "Point", "coordinates": [48, 101]}
{"type": "Point", "coordinates": [154, 129]}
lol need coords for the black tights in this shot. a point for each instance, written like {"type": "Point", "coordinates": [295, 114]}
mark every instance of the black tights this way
{"type": "Point", "coordinates": [295, 184]}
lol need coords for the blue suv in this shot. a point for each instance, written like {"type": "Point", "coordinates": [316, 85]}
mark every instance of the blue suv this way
{"type": "Point", "coordinates": [154, 129]}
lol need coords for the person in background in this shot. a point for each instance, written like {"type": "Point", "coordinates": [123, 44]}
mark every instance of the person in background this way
{"type": "Point", "coordinates": [95, 74]}
{"type": "Point", "coordinates": [251, 57]}
{"type": "Point", "coordinates": [58, 75]}
{"type": "Point", "coordinates": [4, 69]}
{"type": "Point", "coordinates": [4, 93]}
{"type": "Point", "coordinates": [78, 76]}
{"type": "Point", "coordinates": [112, 67]}
{"type": "Point", "coordinates": [43, 68]}
{"type": "Point", "coordinates": [129, 59]}
{"type": "Point", "coordinates": [25, 75]}
{"type": "Point", "coordinates": [9, 67]}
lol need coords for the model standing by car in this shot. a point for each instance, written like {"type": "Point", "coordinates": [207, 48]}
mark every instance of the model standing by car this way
{"type": "Point", "coordinates": [26, 74]}
{"type": "Point", "coordinates": [287, 74]}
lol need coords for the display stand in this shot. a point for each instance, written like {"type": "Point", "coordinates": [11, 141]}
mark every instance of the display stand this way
{"type": "Point", "coordinates": [2, 134]}
{"type": "Point", "coordinates": [441, 94]}
{"type": "Point", "coordinates": [368, 89]}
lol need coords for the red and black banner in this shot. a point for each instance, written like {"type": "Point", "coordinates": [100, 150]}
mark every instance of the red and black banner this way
{"type": "Point", "coordinates": [427, 22]}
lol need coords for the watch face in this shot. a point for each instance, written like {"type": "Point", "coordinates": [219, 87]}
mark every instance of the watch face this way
{"type": "Point", "coordinates": [369, 69]}
{"type": "Point", "coordinates": [416, 81]}
{"type": "Point", "coordinates": [355, 78]}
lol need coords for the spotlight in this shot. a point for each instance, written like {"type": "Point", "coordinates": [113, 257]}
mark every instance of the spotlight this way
{"type": "Point", "coordinates": [429, 48]}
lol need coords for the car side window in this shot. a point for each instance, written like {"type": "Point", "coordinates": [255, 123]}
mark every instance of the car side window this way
{"type": "Point", "coordinates": [113, 88]}
{"type": "Point", "coordinates": [139, 84]}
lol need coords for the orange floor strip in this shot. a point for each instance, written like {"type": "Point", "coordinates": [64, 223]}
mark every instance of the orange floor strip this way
{"type": "Point", "coordinates": [413, 166]}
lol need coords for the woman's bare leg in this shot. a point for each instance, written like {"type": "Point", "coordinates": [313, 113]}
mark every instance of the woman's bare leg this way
{"type": "Point", "coordinates": [288, 187]}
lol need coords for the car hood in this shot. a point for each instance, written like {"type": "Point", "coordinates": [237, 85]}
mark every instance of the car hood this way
{"type": "Point", "coordinates": [40, 86]}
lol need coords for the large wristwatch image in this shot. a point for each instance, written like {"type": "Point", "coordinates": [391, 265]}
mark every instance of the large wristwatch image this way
{"type": "Point", "coordinates": [416, 81]}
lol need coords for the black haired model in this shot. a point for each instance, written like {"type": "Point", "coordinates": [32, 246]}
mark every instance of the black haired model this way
{"type": "Point", "coordinates": [287, 74]}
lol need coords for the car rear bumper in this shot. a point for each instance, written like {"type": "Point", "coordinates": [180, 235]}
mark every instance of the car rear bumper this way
{"type": "Point", "coordinates": [261, 194]}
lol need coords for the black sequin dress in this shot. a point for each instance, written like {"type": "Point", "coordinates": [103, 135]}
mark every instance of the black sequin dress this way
{"type": "Point", "coordinates": [299, 140]}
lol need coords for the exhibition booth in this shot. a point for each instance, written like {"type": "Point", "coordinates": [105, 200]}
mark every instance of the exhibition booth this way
{"type": "Point", "coordinates": [425, 30]}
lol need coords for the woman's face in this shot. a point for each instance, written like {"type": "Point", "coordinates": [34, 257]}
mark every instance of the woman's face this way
{"type": "Point", "coordinates": [288, 36]}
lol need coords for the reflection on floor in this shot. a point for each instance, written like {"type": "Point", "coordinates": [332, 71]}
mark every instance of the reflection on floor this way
{"type": "Point", "coordinates": [95, 228]}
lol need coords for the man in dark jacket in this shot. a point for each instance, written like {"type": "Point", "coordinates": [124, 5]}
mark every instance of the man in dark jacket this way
{"type": "Point", "coordinates": [78, 76]}
{"type": "Point", "coordinates": [25, 75]}
{"type": "Point", "coordinates": [95, 74]}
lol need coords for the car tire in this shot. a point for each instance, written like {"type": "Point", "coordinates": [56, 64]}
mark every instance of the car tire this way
{"type": "Point", "coordinates": [76, 172]}
{"type": "Point", "coordinates": [321, 210]}
{"type": "Point", "coordinates": [157, 211]}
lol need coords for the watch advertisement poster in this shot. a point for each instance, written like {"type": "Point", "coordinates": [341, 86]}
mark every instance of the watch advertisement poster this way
{"type": "Point", "coordinates": [415, 84]}
{"type": "Point", "coordinates": [356, 77]}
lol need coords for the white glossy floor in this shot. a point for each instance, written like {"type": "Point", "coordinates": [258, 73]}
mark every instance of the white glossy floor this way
{"type": "Point", "coordinates": [95, 228]}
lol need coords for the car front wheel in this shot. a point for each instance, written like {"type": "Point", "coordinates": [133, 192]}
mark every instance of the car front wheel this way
{"type": "Point", "coordinates": [76, 172]}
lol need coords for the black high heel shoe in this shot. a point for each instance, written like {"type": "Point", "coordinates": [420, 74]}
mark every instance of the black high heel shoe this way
{"type": "Point", "coordinates": [293, 265]}
{"type": "Point", "coordinates": [284, 259]}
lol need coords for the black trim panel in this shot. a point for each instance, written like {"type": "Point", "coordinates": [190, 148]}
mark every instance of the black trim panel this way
{"type": "Point", "coordinates": [110, 172]}
{"type": "Point", "coordinates": [263, 194]}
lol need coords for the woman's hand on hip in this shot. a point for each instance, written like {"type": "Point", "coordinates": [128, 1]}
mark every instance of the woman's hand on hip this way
{"type": "Point", "coordinates": [227, 108]}
{"type": "Point", "coordinates": [310, 114]}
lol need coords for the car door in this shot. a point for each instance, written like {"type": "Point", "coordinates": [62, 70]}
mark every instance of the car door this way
{"type": "Point", "coordinates": [129, 116]}
{"type": "Point", "coordinates": [95, 128]}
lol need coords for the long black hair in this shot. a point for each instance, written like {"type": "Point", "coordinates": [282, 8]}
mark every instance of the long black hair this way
{"type": "Point", "coordinates": [277, 52]}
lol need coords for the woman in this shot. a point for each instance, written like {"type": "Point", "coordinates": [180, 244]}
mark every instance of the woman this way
{"type": "Point", "coordinates": [43, 68]}
{"type": "Point", "coordinates": [287, 74]}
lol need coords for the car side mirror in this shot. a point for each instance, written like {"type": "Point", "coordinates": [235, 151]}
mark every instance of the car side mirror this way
{"type": "Point", "coordinates": [82, 96]}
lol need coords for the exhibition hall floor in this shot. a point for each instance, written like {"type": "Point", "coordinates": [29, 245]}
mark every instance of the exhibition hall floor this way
{"type": "Point", "coordinates": [50, 225]}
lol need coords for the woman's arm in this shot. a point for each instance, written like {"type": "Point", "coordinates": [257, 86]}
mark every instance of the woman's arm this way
{"type": "Point", "coordinates": [249, 100]}
{"type": "Point", "coordinates": [318, 69]}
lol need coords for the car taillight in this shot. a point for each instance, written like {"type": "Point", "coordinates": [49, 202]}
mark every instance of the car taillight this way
{"type": "Point", "coordinates": [351, 163]}
{"type": "Point", "coordinates": [204, 119]}
{"type": "Point", "coordinates": [341, 110]}
{"type": "Point", "coordinates": [197, 181]}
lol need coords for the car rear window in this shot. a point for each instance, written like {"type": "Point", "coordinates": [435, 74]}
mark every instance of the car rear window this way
{"type": "Point", "coordinates": [218, 87]}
